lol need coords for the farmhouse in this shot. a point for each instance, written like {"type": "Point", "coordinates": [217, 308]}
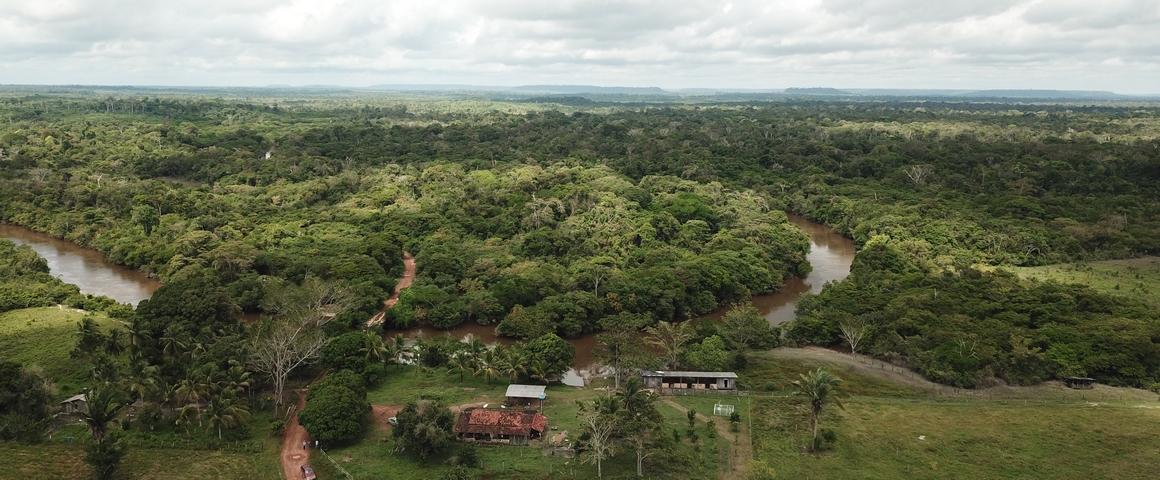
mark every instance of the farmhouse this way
{"type": "Point", "coordinates": [74, 404]}
{"type": "Point", "coordinates": [683, 382]}
{"type": "Point", "coordinates": [525, 396]}
{"type": "Point", "coordinates": [514, 427]}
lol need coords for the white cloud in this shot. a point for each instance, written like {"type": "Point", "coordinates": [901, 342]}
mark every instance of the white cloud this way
{"type": "Point", "coordinates": [743, 43]}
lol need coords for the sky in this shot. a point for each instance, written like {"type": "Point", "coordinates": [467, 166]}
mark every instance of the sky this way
{"type": "Point", "coordinates": [969, 44]}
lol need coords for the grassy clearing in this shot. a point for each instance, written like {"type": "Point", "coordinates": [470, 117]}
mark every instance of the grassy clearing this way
{"type": "Point", "coordinates": [404, 384]}
{"type": "Point", "coordinates": [42, 338]}
{"type": "Point", "coordinates": [767, 373]}
{"type": "Point", "coordinates": [1134, 277]}
{"type": "Point", "coordinates": [880, 438]}
{"type": "Point", "coordinates": [65, 462]}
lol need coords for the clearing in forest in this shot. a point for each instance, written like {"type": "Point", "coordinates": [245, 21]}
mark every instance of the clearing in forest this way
{"type": "Point", "coordinates": [1138, 278]}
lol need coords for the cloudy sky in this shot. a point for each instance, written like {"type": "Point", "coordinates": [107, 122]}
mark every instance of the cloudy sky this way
{"type": "Point", "coordinates": [1063, 44]}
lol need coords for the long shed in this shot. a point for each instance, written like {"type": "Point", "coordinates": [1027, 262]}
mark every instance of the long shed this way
{"type": "Point", "coordinates": [684, 382]}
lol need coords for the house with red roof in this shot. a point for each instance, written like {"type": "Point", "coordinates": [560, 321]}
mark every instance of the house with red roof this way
{"type": "Point", "coordinates": [500, 425]}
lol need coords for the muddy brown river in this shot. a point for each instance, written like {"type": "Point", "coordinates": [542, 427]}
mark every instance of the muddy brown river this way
{"type": "Point", "coordinates": [830, 256]}
{"type": "Point", "coordinates": [85, 267]}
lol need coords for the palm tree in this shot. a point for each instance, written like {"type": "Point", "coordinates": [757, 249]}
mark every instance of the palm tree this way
{"type": "Point", "coordinates": [461, 363]}
{"type": "Point", "coordinates": [633, 397]}
{"type": "Point", "coordinates": [670, 338]}
{"type": "Point", "coordinates": [375, 349]}
{"type": "Point", "coordinates": [191, 391]}
{"type": "Point", "coordinates": [820, 389]}
{"type": "Point", "coordinates": [226, 412]}
{"type": "Point", "coordinates": [512, 363]}
{"type": "Point", "coordinates": [102, 404]}
{"type": "Point", "coordinates": [144, 380]}
{"type": "Point", "coordinates": [538, 369]}
{"type": "Point", "coordinates": [487, 365]}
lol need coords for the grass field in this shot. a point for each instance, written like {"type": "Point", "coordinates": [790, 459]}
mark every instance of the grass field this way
{"type": "Point", "coordinates": [894, 438]}
{"type": "Point", "coordinates": [1134, 277]}
{"type": "Point", "coordinates": [42, 338]}
{"type": "Point", "coordinates": [65, 462]}
{"type": "Point", "coordinates": [1037, 435]}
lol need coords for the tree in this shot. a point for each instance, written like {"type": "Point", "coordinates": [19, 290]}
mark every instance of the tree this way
{"type": "Point", "coordinates": [709, 355]}
{"type": "Point", "coordinates": [854, 332]}
{"type": "Point", "coordinates": [226, 412]}
{"type": "Point", "coordinates": [619, 348]}
{"type": "Point", "coordinates": [147, 217]}
{"type": "Point", "coordinates": [600, 427]}
{"type": "Point", "coordinates": [745, 327]}
{"type": "Point", "coordinates": [670, 338]}
{"type": "Point", "coordinates": [488, 365]}
{"type": "Point", "coordinates": [293, 337]}
{"type": "Point", "coordinates": [640, 421]}
{"type": "Point", "coordinates": [820, 389]}
{"type": "Point", "coordinates": [102, 405]}
{"type": "Point", "coordinates": [347, 351]}
{"type": "Point", "coordinates": [555, 353]}
{"type": "Point", "coordinates": [335, 414]}
{"type": "Point", "coordinates": [24, 400]}
{"type": "Point", "coordinates": [461, 363]}
{"type": "Point", "coordinates": [423, 428]}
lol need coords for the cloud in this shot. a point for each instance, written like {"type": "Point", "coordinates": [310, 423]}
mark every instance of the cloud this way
{"type": "Point", "coordinates": [739, 43]}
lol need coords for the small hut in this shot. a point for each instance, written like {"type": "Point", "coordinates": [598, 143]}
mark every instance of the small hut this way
{"type": "Point", "coordinates": [525, 396]}
{"type": "Point", "coordinates": [1081, 383]}
{"type": "Point", "coordinates": [74, 404]}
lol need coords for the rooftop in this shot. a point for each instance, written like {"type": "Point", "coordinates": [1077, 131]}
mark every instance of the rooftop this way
{"type": "Point", "coordinates": [683, 373]}
{"type": "Point", "coordinates": [526, 391]}
{"type": "Point", "coordinates": [500, 422]}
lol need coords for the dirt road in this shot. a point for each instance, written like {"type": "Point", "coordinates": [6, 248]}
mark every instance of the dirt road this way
{"type": "Point", "coordinates": [872, 367]}
{"type": "Point", "coordinates": [293, 436]}
{"type": "Point", "coordinates": [404, 283]}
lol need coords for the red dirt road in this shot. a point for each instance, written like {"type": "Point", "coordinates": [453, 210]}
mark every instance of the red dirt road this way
{"type": "Point", "coordinates": [293, 455]}
{"type": "Point", "coordinates": [404, 283]}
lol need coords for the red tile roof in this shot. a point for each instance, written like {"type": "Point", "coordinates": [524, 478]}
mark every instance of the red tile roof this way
{"type": "Point", "coordinates": [500, 422]}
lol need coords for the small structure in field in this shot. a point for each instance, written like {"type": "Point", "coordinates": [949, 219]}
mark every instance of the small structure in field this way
{"type": "Point", "coordinates": [74, 404]}
{"type": "Point", "coordinates": [489, 425]}
{"type": "Point", "coordinates": [1082, 383]}
{"type": "Point", "coordinates": [684, 382]}
{"type": "Point", "coordinates": [723, 409]}
{"type": "Point", "coordinates": [525, 396]}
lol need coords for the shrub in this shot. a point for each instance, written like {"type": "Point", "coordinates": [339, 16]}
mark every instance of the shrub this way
{"type": "Point", "coordinates": [346, 351]}
{"type": "Point", "coordinates": [335, 415]}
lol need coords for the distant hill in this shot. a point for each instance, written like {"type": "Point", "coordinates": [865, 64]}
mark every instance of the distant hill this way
{"type": "Point", "coordinates": [587, 89]}
{"type": "Point", "coordinates": [1046, 94]}
{"type": "Point", "coordinates": [816, 91]}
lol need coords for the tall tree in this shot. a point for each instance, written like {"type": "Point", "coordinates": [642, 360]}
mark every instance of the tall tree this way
{"type": "Point", "coordinates": [601, 426]}
{"type": "Point", "coordinates": [820, 389]}
{"type": "Point", "coordinates": [671, 339]}
{"type": "Point", "coordinates": [293, 336]}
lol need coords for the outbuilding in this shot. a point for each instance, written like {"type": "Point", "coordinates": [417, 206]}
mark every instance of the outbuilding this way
{"type": "Point", "coordinates": [74, 404]}
{"type": "Point", "coordinates": [687, 382]}
{"type": "Point", "coordinates": [526, 396]}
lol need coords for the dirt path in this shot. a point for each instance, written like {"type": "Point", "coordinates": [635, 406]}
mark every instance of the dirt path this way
{"type": "Point", "coordinates": [293, 455]}
{"type": "Point", "coordinates": [872, 367]}
{"type": "Point", "coordinates": [404, 283]}
{"type": "Point", "coordinates": [741, 443]}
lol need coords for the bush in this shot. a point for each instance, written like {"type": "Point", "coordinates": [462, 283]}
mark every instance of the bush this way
{"type": "Point", "coordinates": [335, 415]}
{"type": "Point", "coordinates": [341, 379]}
{"type": "Point", "coordinates": [346, 351]}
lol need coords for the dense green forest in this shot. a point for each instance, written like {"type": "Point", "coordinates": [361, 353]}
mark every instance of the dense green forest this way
{"type": "Point", "coordinates": [546, 218]}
